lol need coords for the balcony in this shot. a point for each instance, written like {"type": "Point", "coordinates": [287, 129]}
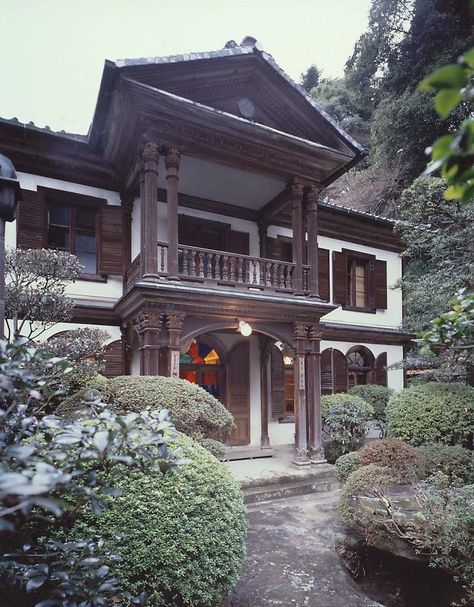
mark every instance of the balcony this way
{"type": "Point", "coordinates": [224, 269]}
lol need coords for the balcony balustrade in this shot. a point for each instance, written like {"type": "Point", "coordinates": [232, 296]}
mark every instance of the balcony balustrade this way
{"type": "Point", "coordinates": [222, 268]}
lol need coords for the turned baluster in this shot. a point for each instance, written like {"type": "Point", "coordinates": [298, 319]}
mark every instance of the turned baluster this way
{"type": "Point", "coordinates": [201, 264]}
{"type": "Point", "coordinates": [280, 269]}
{"type": "Point", "coordinates": [232, 269]}
{"type": "Point", "coordinates": [185, 262]}
{"type": "Point", "coordinates": [247, 271]}
{"type": "Point", "coordinates": [254, 272]}
{"type": "Point", "coordinates": [193, 262]}
{"type": "Point", "coordinates": [208, 265]}
{"type": "Point", "coordinates": [267, 273]}
{"type": "Point", "coordinates": [217, 268]}
{"type": "Point", "coordinates": [225, 268]}
{"type": "Point", "coordinates": [240, 272]}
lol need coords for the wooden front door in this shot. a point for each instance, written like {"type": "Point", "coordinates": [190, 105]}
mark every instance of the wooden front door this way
{"type": "Point", "coordinates": [238, 393]}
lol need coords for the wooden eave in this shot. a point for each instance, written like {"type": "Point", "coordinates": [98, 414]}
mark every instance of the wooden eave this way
{"type": "Point", "coordinates": [205, 132]}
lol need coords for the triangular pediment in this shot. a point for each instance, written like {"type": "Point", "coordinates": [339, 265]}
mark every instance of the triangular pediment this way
{"type": "Point", "coordinates": [247, 85]}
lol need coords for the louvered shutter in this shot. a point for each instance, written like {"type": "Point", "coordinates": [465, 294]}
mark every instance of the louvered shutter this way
{"type": "Point", "coordinates": [323, 273]}
{"type": "Point", "coordinates": [32, 221]}
{"type": "Point", "coordinates": [111, 241]}
{"type": "Point", "coordinates": [339, 278]}
{"type": "Point", "coordinates": [381, 369]}
{"type": "Point", "coordinates": [380, 284]}
{"type": "Point", "coordinates": [237, 242]}
{"type": "Point", "coordinates": [273, 248]}
{"type": "Point", "coordinates": [326, 371]}
{"type": "Point", "coordinates": [339, 365]}
{"type": "Point", "coordinates": [278, 383]}
{"type": "Point", "coordinates": [115, 359]}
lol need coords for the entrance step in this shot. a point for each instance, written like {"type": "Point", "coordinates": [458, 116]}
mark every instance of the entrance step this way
{"type": "Point", "coordinates": [236, 453]}
{"type": "Point", "coordinates": [319, 480]}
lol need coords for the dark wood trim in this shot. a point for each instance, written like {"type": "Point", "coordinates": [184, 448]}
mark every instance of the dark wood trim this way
{"type": "Point", "coordinates": [358, 334]}
{"type": "Point", "coordinates": [274, 206]}
{"type": "Point", "coordinates": [55, 196]}
{"type": "Point", "coordinates": [95, 316]}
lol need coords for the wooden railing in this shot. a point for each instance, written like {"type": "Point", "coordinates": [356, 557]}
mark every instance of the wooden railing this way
{"type": "Point", "coordinates": [196, 264]}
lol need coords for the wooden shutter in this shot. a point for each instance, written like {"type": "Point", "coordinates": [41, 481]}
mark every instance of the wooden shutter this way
{"type": "Point", "coordinates": [278, 383]}
{"type": "Point", "coordinates": [273, 248]}
{"type": "Point", "coordinates": [380, 285]}
{"type": "Point", "coordinates": [326, 371]}
{"type": "Point", "coordinates": [381, 369]}
{"type": "Point", "coordinates": [339, 363]}
{"type": "Point", "coordinates": [323, 273]}
{"type": "Point", "coordinates": [237, 242]}
{"type": "Point", "coordinates": [32, 221]}
{"type": "Point", "coordinates": [115, 359]}
{"type": "Point", "coordinates": [339, 278]}
{"type": "Point", "coordinates": [110, 238]}
{"type": "Point", "coordinates": [238, 389]}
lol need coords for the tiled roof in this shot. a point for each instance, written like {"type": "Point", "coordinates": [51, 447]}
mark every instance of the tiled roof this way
{"type": "Point", "coordinates": [31, 126]}
{"type": "Point", "coordinates": [350, 211]}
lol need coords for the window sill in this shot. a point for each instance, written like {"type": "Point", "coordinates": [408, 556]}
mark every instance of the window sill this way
{"type": "Point", "coordinates": [355, 309]}
{"type": "Point", "coordinates": [93, 277]}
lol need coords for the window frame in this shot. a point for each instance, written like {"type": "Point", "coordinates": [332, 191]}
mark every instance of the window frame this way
{"type": "Point", "coordinates": [369, 263]}
{"type": "Point", "coordinates": [74, 201]}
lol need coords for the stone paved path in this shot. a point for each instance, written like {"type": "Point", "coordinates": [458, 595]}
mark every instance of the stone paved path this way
{"type": "Point", "coordinates": [291, 560]}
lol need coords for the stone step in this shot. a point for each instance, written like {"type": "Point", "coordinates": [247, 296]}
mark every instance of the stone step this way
{"type": "Point", "coordinates": [288, 487]}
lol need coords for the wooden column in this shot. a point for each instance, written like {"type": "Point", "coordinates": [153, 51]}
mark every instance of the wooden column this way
{"type": "Point", "coordinates": [126, 337]}
{"type": "Point", "coordinates": [265, 347]}
{"type": "Point", "coordinates": [316, 450]}
{"type": "Point", "coordinates": [172, 159]}
{"type": "Point", "coordinates": [126, 199]}
{"type": "Point", "coordinates": [312, 195]}
{"type": "Point", "coordinates": [149, 210]}
{"type": "Point", "coordinates": [262, 235]}
{"type": "Point", "coordinates": [296, 197]}
{"type": "Point", "coordinates": [301, 446]}
{"type": "Point", "coordinates": [148, 326]}
{"type": "Point", "coordinates": [174, 324]}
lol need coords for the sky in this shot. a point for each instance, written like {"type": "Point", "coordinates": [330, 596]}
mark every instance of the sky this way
{"type": "Point", "coordinates": [52, 52]}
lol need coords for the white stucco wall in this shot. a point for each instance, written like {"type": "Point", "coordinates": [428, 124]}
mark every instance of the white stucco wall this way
{"type": "Point", "coordinates": [81, 290]}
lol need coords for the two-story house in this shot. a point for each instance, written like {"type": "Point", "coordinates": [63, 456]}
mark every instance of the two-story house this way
{"type": "Point", "coordinates": [194, 206]}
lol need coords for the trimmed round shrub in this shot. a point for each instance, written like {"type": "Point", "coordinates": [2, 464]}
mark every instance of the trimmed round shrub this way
{"type": "Point", "coordinates": [366, 482]}
{"type": "Point", "coordinates": [404, 461]}
{"type": "Point", "coordinates": [455, 462]}
{"type": "Point", "coordinates": [215, 447]}
{"type": "Point", "coordinates": [193, 410]}
{"type": "Point", "coordinates": [377, 396]}
{"type": "Point", "coordinates": [346, 464]}
{"type": "Point", "coordinates": [433, 412]}
{"type": "Point", "coordinates": [345, 417]}
{"type": "Point", "coordinates": [180, 536]}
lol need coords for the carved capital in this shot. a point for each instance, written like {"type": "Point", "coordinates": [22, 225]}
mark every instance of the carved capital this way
{"type": "Point", "coordinates": [148, 321]}
{"type": "Point", "coordinates": [315, 332]}
{"type": "Point", "coordinates": [150, 153]}
{"type": "Point", "coordinates": [172, 160]}
{"type": "Point", "coordinates": [174, 322]}
{"type": "Point", "coordinates": [311, 193]}
{"type": "Point", "coordinates": [300, 331]}
{"type": "Point", "coordinates": [295, 192]}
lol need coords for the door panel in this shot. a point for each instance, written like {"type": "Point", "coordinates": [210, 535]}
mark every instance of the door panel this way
{"type": "Point", "coordinates": [238, 393]}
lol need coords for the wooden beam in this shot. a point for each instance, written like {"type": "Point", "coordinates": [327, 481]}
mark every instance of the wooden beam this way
{"type": "Point", "coordinates": [274, 206]}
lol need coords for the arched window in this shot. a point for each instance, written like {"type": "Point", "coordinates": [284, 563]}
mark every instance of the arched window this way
{"type": "Point", "coordinates": [200, 364]}
{"type": "Point", "coordinates": [360, 366]}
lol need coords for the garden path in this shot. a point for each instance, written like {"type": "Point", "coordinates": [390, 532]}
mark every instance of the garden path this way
{"type": "Point", "coordinates": [291, 557]}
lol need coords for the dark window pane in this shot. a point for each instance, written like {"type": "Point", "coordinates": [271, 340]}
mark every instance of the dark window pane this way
{"type": "Point", "coordinates": [85, 218]}
{"type": "Point", "coordinates": [58, 238]}
{"type": "Point", "coordinates": [88, 260]}
{"type": "Point", "coordinates": [59, 215]}
{"type": "Point", "coordinates": [84, 243]}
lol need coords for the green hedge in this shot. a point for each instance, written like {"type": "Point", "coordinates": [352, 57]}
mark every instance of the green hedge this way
{"type": "Point", "coordinates": [454, 462]}
{"type": "Point", "coordinates": [193, 410]}
{"type": "Point", "coordinates": [403, 460]}
{"type": "Point", "coordinates": [183, 533]}
{"type": "Point", "coordinates": [346, 464]}
{"type": "Point", "coordinates": [375, 395]}
{"type": "Point", "coordinates": [433, 412]}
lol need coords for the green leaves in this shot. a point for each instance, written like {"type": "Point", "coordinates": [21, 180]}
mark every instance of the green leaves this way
{"type": "Point", "coordinates": [446, 100]}
{"type": "Point", "coordinates": [446, 77]}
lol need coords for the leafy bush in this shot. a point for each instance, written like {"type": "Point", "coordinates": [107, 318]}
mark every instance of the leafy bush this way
{"type": "Point", "coordinates": [455, 462]}
{"type": "Point", "coordinates": [344, 418]}
{"type": "Point", "coordinates": [404, 461]}
{"type": "Point", "coordinates": [193, 410]}
{"type": "Point", "coordinates": [184, 532]}
{"type": "Point", "coordinates": [45, 461]}
{"type": "Point", "coordinates": [215, 447]}
{"type": "Point", "coordinates": [436, 412]}
{"type": "Point", "coordinates": [378, 397]}
{"type": "Point", "coordinates": [366, 482]}
{"type": "Point", "coordinates": [346, 464]}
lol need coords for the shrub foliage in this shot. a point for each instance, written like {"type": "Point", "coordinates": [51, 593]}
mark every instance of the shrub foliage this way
{"type": "Point", "coordinates": [455, 462]}
{"type": "Point", "coordinates": [378, 397]}
{"type": "Point", "coordinates": [433, 412]}
{"type": "Point", "coordinates": [404, 461]}
{"type": "Point", "coordinates": [184, 532]}
{"type": "Point", "coordinates": [346, 464]}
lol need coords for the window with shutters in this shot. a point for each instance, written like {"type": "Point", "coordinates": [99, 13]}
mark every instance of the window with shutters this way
{"type": "Point", "coordinates": [360, 366]}
{"type": "Point", "coordinates": [357, 282]}
{"type": "Point", "coordinates": [74, 229]}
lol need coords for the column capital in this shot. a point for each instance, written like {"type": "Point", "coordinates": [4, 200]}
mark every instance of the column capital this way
{"type": "Point", "coordinates": [172, 159]}
{"type": "Point", "coordinates": [174, 322]}
{"type": "Point", "coordinates": [148, 321]}
{"type": "Point", "coordinates": [300, 331]}
{"type": "Point", "coordinates": [315, 332]}
{"type": "Point", "coordinates": [295, 192]}
{"type": "Point", "coordinates": [150, 152]}
{"type": "Point", "coordinates": [311, 193]}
